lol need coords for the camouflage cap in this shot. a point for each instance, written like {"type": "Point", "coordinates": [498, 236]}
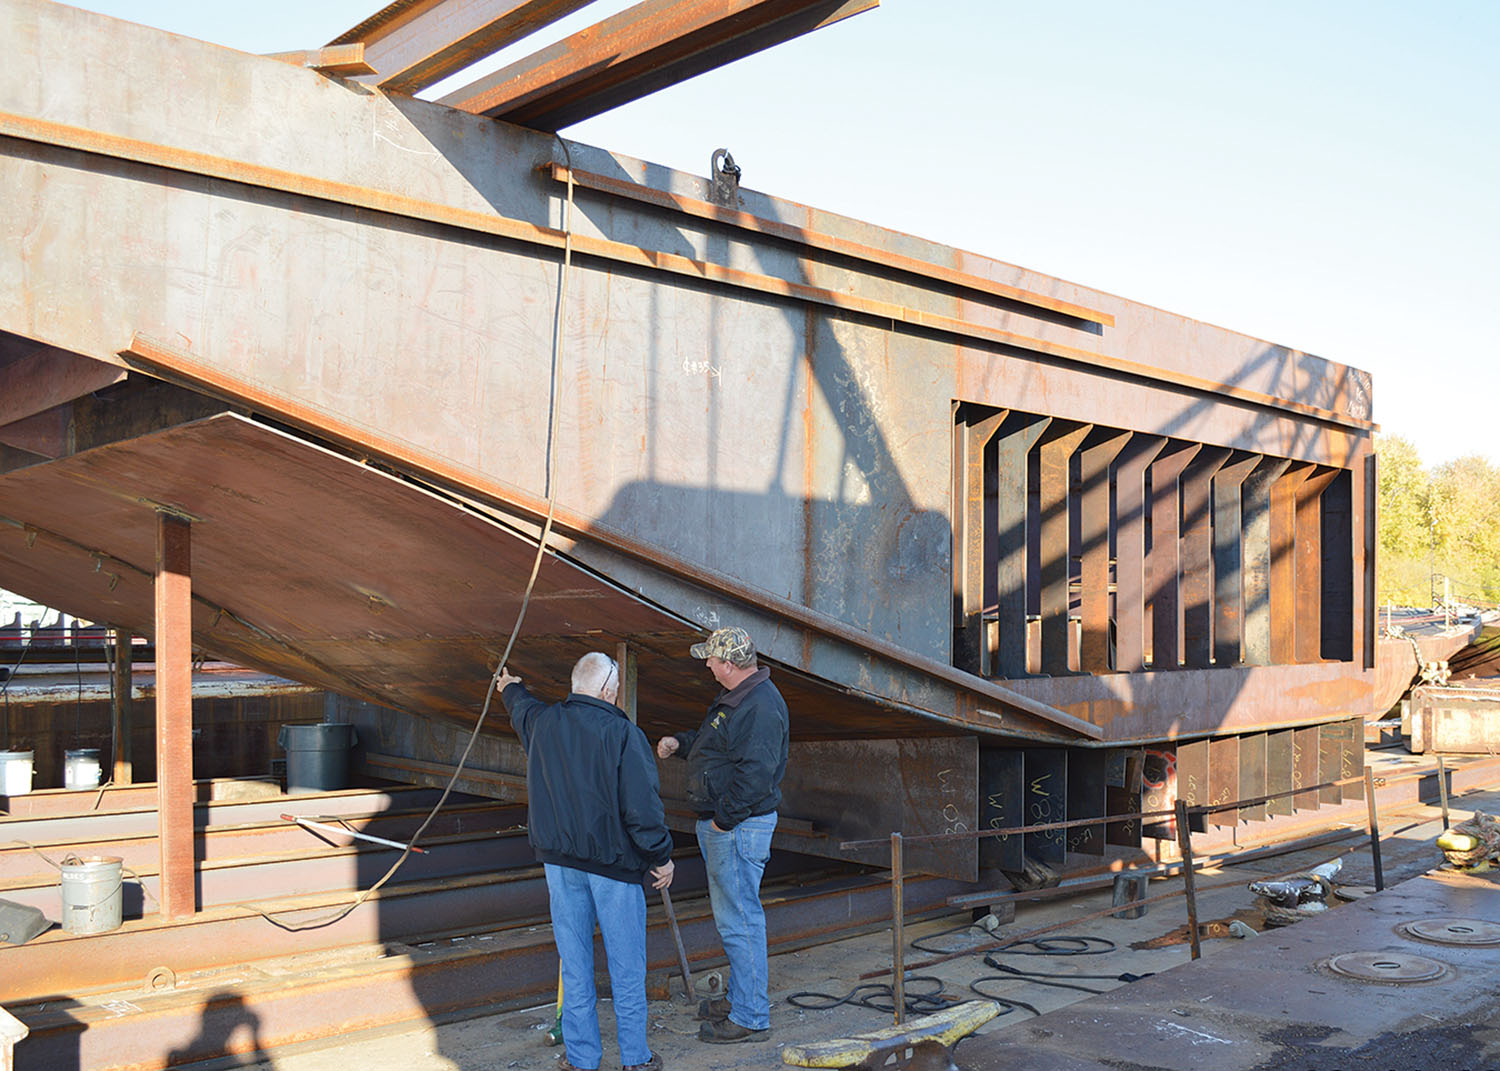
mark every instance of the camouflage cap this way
{"type": "Point", "coordinates": [730, 644]}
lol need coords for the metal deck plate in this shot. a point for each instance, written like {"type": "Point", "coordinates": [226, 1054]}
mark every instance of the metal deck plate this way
{"type": "Point", "coordinates": [1452, 931]}
{"type": "Point", "coordinates": [1386, 967]}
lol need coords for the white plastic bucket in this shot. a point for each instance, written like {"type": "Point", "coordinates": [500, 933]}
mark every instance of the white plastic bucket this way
{"type": "Point", "coordinates": [15, 772]}
{"type": "Point", "coordinates": [91, 897]}
{"type": "Point", "coordinates": [81, 768]}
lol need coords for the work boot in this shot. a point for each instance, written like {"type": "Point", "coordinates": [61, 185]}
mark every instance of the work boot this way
{"type": "Point", "coordinates": [653, 1064]}
{"type": "Point", "coordinates": [714, 1009]}
{"type": "Point", "coordinates": [726, 1031]}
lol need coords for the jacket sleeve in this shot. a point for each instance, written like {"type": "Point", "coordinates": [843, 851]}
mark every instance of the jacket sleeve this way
{"type": "Point", "coordinates": [685, 740]}
{"type": "Point", "coordinates": [754, 739]}
{"type": "Point", "coordinates": [523, 708]}
{"type": "Point", "coordinates": [640, 801]}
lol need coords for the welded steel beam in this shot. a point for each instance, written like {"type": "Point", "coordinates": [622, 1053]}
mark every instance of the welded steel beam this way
{"type": "Point", "coordinates": [1055, 454]}
{"type": "Point", "coordinates": [1284, 563]}
{"type": "Point", "coordinates": [1255, 557]}
{"type": "Point", "coordinates": [340, 60]}
{"type": "Point", "coordinates": [1228, 542]}
{"type": "Point", "coordinates": [1095, 459]}
{"type": "Point", "coordinates": [410, 46]}
{"type": "Point", "coordinates": [973, 536]}
{"type": "Point", "coordinates": [1308, 644]}
{"type": "Point", "coordinates": [174, 713]}
{"type": "Point", "coordinates": [122, 708]}
{"type": "Point", "coordinates": [645, 48]}
{"type": "Point", "coordinates": [1130, 551]}
{"type": "Point", "coordinates": [1196, 552]}
{"type": "Point", "coordinates": [1163, 564]}
{"type": "Point", "coordinates": [35, 377]}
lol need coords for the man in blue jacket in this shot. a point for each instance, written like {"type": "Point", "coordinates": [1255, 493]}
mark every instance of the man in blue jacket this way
{"type": "Point", "coordinates": [594, 819]}
{"type": "Point", "coordinates": [736, 760]}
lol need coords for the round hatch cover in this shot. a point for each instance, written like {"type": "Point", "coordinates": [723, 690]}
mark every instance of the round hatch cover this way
{"type": "Point", "coordinates": [1451, 931]}
{"type": "Point", "coordinates": [1386, 967]}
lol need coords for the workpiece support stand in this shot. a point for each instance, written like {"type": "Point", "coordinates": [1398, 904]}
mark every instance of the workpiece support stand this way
{"type": "Point", "coordinates": [174, 714]}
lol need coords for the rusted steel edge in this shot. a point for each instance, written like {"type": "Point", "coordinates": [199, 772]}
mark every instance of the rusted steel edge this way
{"type": "Point", "coordinates": [161, 359]}
{"type": "Point", "coordinates": [189, 162]}
{"type": "Point", "coordinates": [339, 60]}
{"type": "Point", "coordinates": [773, 228]}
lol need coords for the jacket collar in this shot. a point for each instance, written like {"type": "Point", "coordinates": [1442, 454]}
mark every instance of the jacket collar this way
{"type": "Point", "coordinates": [578, 697]}
{"type": "Point", "coordinates": [736, 695]}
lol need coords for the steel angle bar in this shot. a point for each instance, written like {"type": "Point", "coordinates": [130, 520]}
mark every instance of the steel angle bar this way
{"type": "Point", "coordinates": [410, 46]}
{"type": "Point", "coordinates": [644, 48]}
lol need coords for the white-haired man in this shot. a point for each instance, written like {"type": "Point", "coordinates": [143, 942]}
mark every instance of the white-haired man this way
{"type": "Point", "coordinates": [594, 819]}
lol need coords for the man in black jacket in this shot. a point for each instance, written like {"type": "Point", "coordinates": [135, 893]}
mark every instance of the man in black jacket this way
{"type": "Point", "coordinates": [736, 760]}
{"type": "Point", "coordinates": [594, 819]}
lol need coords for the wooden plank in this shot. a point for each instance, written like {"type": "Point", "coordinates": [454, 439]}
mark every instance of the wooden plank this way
{"type": "Point", "coordinates": [1046, 800]}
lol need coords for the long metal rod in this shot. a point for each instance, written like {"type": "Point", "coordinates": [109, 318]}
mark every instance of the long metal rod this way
{"type": "Point", "coordinates": [1443, 789]}
{"type": "Point", "coordinates": [1374, 829]}
{"type": "Point", "coordinates": [682, 956]}
{"type": "Point", "coordinates": [308, 823]}
{"type": "Point", "coordinates": [174, 715]}
{"type": "Point", "coordinates": [1185, 843]}
{"type": "Point", "coordinates": [898, 931]}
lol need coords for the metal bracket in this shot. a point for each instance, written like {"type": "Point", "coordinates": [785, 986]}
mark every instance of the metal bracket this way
{"type": "Point", "coordinates": [725, 174]}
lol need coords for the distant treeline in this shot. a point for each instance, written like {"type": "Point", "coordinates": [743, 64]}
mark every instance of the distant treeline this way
{"type": "Point", "coordinates": [1437, 522]}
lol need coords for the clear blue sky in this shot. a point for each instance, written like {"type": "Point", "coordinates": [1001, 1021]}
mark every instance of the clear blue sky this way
{"type": "Point", "coordinates": [1325, 175]}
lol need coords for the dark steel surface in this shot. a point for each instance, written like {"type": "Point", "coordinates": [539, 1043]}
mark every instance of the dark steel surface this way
{"type": "Point", "coordinates": [1123, 796]}
{"type": "Point", "coordinates": [1306, 768]}
{"type": "Point", "coordinates": [1131, 591]}
{"type": "Point", "coordinates": [1095, 458]}
{"type": "Point", "coordinates": [1002, 805]}
{"type": "Point", "coordinates": [1254, 757]}
{"type": "Point", "coordinates": [1280, 766]}
{"type": "Point", "coordinates": [1087, 789]}
{"type": "Point", "coordinates": [1223, 778]}
{"type": "Point", "coordinates": [1228, 564]}
{"type": "Point", "coordinates": [1163, 568]}
{"type": "Point", "coordinates": [1056, 450]}
{"type": "Point", "coordinates": [1046, 800]}
{"type": "Point", "coordinates": [1196, 555]}
{"type": "Point", "coordinates": [1012, 447]}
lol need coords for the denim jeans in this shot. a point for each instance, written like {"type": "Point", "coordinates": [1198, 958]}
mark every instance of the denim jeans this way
{"type": "Point", "coordinates": [735, 862]}
{"type": "Point", "coordinates": [578, 900]}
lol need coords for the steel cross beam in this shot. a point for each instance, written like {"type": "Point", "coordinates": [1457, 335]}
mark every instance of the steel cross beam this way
{"type": "Point", "coordinates": [409, 46]}
{"type": "Point", "coordinates": [648, 47]}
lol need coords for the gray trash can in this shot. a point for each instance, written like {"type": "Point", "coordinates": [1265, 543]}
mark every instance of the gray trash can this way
{"type": "Point", "coordinates": [317, 756]}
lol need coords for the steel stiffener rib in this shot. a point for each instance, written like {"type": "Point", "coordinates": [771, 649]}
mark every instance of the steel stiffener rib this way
{"type": "Point", "coordinates": [187, 161]}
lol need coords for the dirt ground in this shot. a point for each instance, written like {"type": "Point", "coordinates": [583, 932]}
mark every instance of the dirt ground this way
{"type": "Point", "coordinates": [516, 1039]}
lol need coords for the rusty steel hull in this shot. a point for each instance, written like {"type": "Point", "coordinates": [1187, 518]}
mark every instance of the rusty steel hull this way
{"type": "Point", "coordinates": [431, 255]}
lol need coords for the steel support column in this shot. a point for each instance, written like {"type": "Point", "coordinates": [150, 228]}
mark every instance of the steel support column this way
{"type": "Point", "coordinates": [1308, 615]}
{"type": "Point", "coordinates": [1228, 613]}
{"type": "Point", "coordinates": [1130, 551]}
{"type": "Point", "coordinates": [1284, 564]}
{"type": "Point", "coordinates": [1196, 551]}
{"type": "Point", "coordinates": [174, 713]}
{"type": "Point", "coordinates": [1056, 454]}
{"type": "Point", "coordinates": [1097, 455]}
{"type": "Point", "coordinates": [1017, 436]}
{"type": "Point", "coordinates": [1162, 564]}
{"type": "Point", "coordinates": [121, 708]}
{"type": "Point", "coordinates": [972, 553]}
{"type": "Point", "coordinates": [626, 700]}
{"type": "Point", "coordinates": [1255, 558]}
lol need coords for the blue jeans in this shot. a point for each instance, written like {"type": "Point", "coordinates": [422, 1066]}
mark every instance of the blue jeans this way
{"type": "Point", "coordinates": [578, 900]}
{"type": "Point", "coordinates": [735, 862]}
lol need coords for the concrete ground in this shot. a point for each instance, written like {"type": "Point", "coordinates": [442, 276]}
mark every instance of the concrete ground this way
{"type": "Point", "coordinates": [1076, 1029]}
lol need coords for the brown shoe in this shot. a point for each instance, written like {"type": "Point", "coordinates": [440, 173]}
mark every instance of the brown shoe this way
{"type": "Point", "coordinates": [714, 1010]}
{"type": "Point", "coordinates": [726, 1031]}
{"type": "Point", "coordinates": [653, 1064]}
{"type": "Point", "coordinates": [564, 1065]}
